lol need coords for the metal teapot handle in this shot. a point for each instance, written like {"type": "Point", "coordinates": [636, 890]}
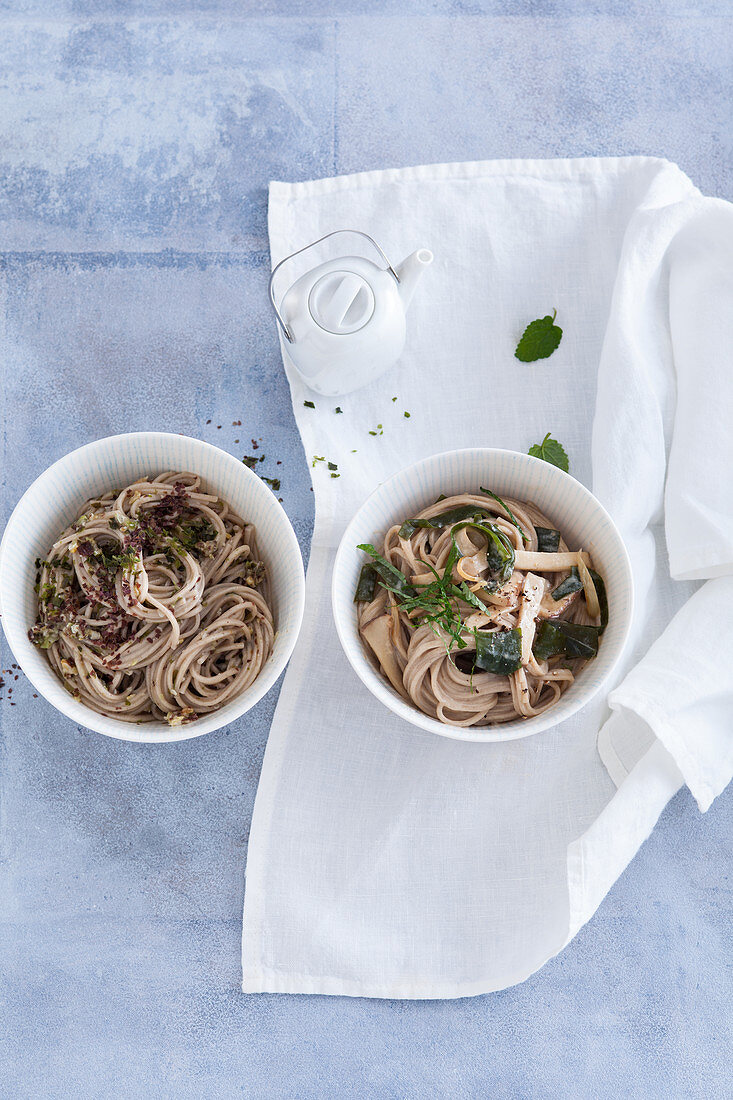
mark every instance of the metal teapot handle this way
{"type": "Point", "coordinates": [286, 331]}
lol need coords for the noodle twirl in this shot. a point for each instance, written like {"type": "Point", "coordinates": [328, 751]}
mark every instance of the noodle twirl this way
{"type": "Point", "coordinates": [153, 604]}
{"type": "Point", "coordinates": [477, 612]}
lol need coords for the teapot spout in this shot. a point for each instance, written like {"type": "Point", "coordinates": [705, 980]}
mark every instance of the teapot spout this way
{"type": "Point", "coordinates": [409, 272]}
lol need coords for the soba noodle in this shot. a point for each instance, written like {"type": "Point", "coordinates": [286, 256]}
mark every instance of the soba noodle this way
{"type": "Point", "coordinates": [476, 611]}
{"type": "Point", "coordinates": [153, 604]}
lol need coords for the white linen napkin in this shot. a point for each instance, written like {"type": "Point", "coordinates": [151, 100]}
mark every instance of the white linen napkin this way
{"type": "Point", "coordinates": [387, 862]}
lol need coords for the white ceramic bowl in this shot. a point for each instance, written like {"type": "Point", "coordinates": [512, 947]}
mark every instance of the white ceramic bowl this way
{"type": "Point", "coordinates": [56, 498]}
{"type": "Point", "coordinates": [571, 507]}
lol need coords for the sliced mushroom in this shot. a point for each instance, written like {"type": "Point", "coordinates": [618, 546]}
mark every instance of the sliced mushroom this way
{"type": "Point", "coordinates": [589, 589]}
{"type": "Point", "coordinates": [549, 563]}
{"type": "Point", "coordinates": [507, 595]}
{"type": "Point", "coordinates": [533, 590]}
{"type": "Point", "coordinates": [553, 609]}
{"type": "Point", "coordinates": [378, 634]}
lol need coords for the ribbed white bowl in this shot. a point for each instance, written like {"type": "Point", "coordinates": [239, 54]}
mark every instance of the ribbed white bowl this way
{"type": "Point", "coordinates": [571, 507]}
{"type": "Point", "coordinates": [56, 498]}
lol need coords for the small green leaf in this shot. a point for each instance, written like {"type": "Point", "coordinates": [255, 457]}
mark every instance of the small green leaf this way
{"type": "Point", "coordinates": [509, 514]}
{"type": "Point", "coordinates": [572, 583]}
{"type": "Point", "coordinates": [548, 540]}
{"type": "Point", "coordinates": [539, 340]}
{"type": "Point", "coordinates": [464, 592]}
{"type": "Point", "coordinates": [392, 577]}
{"type": "Point", "coordinates": [499, 652]}
{"type": "Point", "coordinates": [549, 450]}
{"type": "Point", "coordinates": [445, 519]}
{"type": "Point", "coordinates": [570, 639]}
{"type": "Point", "coordinates": [580, 640]}
{"type": "Point", "coordinates": [366, 584]}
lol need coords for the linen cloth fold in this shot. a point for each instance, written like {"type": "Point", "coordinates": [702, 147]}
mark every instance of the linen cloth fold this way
{"type": "Point", "coordinates": [387, 862]}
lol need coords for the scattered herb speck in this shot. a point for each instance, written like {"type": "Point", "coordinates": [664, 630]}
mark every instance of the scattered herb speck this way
{"type": "Point", "coordinates": [309, 405]}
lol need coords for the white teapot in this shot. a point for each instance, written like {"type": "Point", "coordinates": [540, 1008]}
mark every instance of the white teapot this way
{"type": "Point", "coordinates": [344, 320]}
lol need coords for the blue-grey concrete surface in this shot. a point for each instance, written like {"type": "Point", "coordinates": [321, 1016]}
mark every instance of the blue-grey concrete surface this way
{"type": "Point", "coordinates": [136, 142]}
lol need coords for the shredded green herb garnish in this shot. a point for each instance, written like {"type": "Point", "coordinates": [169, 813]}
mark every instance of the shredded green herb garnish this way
{"type": "Point", "coordinates": [444, 519]}
{"type": "Point", "coordinates": [499, 550]}
{"type": "Point", "coordinates": [309, 405]}
{"type": "Point", "coordinates": [406, 415]}
{"type": "Point", "coordinates": [332, 466]}
{"type": "Point", "coordinates": [509, 514]}
{"type": "Point", "coordinates": [338, 409]}
{"type": "Point", "coordinates": [273, 482]}
{"type": "Point", "coordinates": [438, 603]}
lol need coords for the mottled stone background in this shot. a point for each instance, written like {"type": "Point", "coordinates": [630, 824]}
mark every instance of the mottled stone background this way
{"type": "Point", "coordinates": [136, 143]}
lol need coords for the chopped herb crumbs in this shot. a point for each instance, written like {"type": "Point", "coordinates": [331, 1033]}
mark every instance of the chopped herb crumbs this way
{"type": "Point", "coordinates": [273, 482]}
{"type": "Point", "coordinates": [309, 405]}
{"type": "Point", "coordinates": [394, 398]}
{"type": "Point", "coordinates": [406, 415]}
{"type": "Point", "coordinates": [332, 466]}
{"type": "Point", "coordinates": [251, 460]}
{"type": "Point", "coordinates": [335, 475]}
{"type": "Point", "coordinates": [318, 458]}
{"type": "Point", "coordinates": [338, 409]}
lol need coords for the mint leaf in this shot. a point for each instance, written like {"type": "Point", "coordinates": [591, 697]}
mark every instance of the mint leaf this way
{"type": "Point", "coordinates": [539, 340]}
{"type": "Point", "coordinates": [550, 451]}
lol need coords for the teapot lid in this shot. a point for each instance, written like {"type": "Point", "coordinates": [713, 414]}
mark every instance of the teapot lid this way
{"type": "Point", "coordinates": [341, 302]}
{"type": "Point", "coordinates": [345, 304]}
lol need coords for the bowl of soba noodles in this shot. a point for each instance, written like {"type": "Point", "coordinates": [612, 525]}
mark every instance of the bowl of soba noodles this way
{"type": "Point", "coordinates": [151, 587]}
{"type": "Point", "coordinates": [482, 594]}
